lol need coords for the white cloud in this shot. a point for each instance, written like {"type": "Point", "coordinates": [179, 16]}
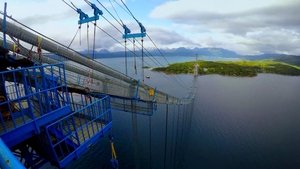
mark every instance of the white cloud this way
{"type": "Point", "coordinates": [232, 24]}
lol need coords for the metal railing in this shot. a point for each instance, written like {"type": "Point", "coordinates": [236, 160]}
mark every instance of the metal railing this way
{"type": "Point", "coordinates": [29, 93]}
{"type": "Point", "coordinates": [70, 134]}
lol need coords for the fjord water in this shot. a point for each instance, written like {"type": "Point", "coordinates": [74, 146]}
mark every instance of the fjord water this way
{"type": "Point", "coordinates": [232, 123]}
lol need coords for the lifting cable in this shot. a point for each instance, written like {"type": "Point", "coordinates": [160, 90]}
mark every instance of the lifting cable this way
{"type": "Point", "coordinates": [74, 37]}
{"type": "Point", "coordinates": [79, 35]}
{"type": "Point", "coordinates": [126, 57]}
{"type": "Point", "coordinates": [135, 70]}
{"type": "Point", "coordinates": [94, 41]}
{"type": "Point", "coordinates": [124, 26]}
{"type": "Point", "coordinates": [39, 48]}
{"type": "Point", "coordinates": [148, 37]}
{"type": "Point", "coordinates": [117, 41]}
{"type": "Point", "coordinates": [121, 24]}
{"type": "Point", "coordinates": [166, 135]}
{"type": "Point", "coordinates": [173, 133]}
{"type": "Point", "coordinates": [150, 142]}
{"type": "Point", "coordinates": [176, 138]}
{"type": "Point", "coordinates": [143, 64]}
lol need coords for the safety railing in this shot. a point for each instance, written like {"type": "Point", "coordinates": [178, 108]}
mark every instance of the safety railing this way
{"type": "Point", "coordinates": [29, 93]}
{"type": "Point", "coordinates": [70, 134]}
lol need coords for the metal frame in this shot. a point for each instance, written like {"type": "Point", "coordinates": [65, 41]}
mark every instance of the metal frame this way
{"type": "Point", "coordinates": [70, 136]}
{"type": "Point", "coordinates": [34, 96]}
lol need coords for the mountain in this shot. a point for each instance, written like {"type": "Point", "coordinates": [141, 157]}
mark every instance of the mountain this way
{"type": "Point", "coordinates": [294, 60]}
{"type": "Point", "coordinates": [208, 52]}
{"type": "Point", "coordinates": [214, 52]}
{"type": "Point", "coordinates": [263, 56]}
{"type": "Point", "coordinates": [181, 51]}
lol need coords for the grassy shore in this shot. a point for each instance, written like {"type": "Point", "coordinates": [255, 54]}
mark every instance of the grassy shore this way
{"type": "Point", "coordinates": [232, 68]}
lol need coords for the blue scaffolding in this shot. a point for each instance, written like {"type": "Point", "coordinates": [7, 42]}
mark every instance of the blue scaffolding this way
{"type": "Point", "coordinates": [40, 121]}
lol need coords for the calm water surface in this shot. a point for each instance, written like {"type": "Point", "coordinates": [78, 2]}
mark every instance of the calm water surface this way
{"type": "Point", "coordinates": [233, 123]}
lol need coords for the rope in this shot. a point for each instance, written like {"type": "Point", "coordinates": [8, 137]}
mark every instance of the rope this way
{"type": "Point", "coordinates": [135, 70]}
{"type": "Point", "coordinates": [74, 37]}
{"type": "Point", "coordinates": [80, 35]}
{"type": "Point", "coordinates": [39, 49]}
{"type": "Point", "coordinates": [117, 41]}
{"type": "Point", "coordinates": [87, 39]}
{"type": "Point", "coordinates": [126, 57]}
{"type": "Point", "coordinates": [94, 43]}
{"type": "Point", "coordinates": [143, 60]}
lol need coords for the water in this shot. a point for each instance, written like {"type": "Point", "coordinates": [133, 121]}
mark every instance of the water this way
{"type": "Point", "coordinates": [233, 123]}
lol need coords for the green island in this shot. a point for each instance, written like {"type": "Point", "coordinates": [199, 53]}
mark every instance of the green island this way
{"type": "Point", "coordinates": [232, 68]}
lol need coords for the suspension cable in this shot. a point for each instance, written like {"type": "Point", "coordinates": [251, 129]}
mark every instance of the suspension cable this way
{"type": "Point", "coordinates": [158, 49]}
{"type": "Point", "coordinates": [129, 11]}
{"type": "Point", "coordinates": [70, 5]}
{"type": "Point", "coordinates": [109, 12]}
{"type": "Point", "coordinates": [116, 12]}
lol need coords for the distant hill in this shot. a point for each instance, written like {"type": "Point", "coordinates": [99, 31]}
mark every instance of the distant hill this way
{"type": "Point", "coordinates": [209, 52]}
{"type": "Point", "coordinates": [213, 52]}
{"type": "Point", "coordinates": [294, 60]}
{"type": "Point", "coordinates": [231, 68]}
{"type": "Point", "coordinates": [263, 56]}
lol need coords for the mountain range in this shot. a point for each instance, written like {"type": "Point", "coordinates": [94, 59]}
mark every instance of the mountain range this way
{"type": "Point", "coordinates": [208, 52]}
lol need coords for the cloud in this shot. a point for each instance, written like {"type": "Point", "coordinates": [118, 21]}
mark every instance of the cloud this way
{"type": "Point", "coordinates": [252, 26]}
{"type": "Point", "coordinates": [166, 37]}
{"type": "Point", "coordinates": [275, 41]}
{"type": "Point", "coordinates": [235, 22]}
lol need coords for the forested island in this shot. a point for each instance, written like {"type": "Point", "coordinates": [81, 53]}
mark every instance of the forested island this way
{"type": "Point", "coordinates": [232, 68]}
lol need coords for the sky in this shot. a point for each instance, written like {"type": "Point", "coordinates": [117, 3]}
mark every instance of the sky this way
{"type": "Point", "coordinates": [244, 26]}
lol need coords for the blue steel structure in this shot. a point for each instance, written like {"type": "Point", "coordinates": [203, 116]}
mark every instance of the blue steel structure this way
{"type": "Point", "coordinates": [84, 18]}
{"type": "Point", "coordinates": [40, 121]}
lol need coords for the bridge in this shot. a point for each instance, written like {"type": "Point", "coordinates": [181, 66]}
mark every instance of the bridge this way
{"type": "Point", "coordinates": [47, 112]}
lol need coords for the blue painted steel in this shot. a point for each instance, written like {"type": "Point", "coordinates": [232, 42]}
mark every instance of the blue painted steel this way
{"type": "Point", "coordinates": [7, 159]}
{"type": "Point", "coordinates": [97, 11]}
{"type": "Point", "coordinates": [143, 29]}
{"type": "Point", "coordinates": [34, 96]}
{"type": "Point", "coordinates": [82, 15]}
{"type": "Point", "coordinates": [70, 136]}
{"type": "Point", "coordinates": [84, 18]}
{"type": "Point", "coordinates": [4, 26]}
{"type": "Point", "coordinates": [126, 30]}
{"type": "Point", "coordinates": [19, 134]}
{"type": "Point", "coordinates": [89, 19]}
{"type": "Point", "coordinates": [128, 34]}
{"type": "Point", "coordinates": [134, 35]}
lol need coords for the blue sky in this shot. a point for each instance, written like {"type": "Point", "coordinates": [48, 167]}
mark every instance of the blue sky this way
{"type": "Point", "coordinates": [247, 27]}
